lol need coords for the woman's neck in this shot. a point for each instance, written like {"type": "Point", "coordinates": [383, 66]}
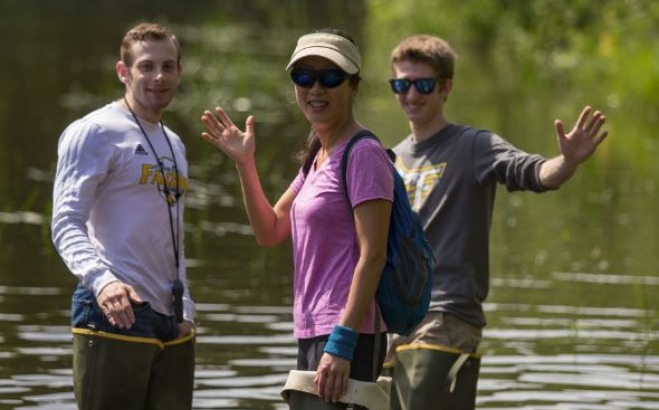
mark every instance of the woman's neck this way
{"type": "Point", "coordinates": [331, 136]}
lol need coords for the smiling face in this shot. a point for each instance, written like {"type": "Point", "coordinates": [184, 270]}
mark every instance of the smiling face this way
{"type": "Point", "coordinates": [152, 78]}
{"type": "Point", "coordinates": [421, 109]}
{"type": "Point", "coordinates": [325, 108]}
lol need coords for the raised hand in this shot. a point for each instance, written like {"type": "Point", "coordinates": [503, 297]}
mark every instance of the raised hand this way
{"type": "Point", "coordinates": [584, 138]}
{"type": "Point", "coordinates": [226, 136]}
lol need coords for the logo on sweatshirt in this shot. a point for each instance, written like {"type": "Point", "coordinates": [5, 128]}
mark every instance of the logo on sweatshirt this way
{"type": "Point", "coordinates": [166, 177]}
{"type": "Point", "coordinates": [139, 150]}
{"type": "Point", "coordinates": [420, 182]}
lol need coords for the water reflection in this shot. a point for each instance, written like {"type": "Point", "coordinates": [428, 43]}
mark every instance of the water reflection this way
{"type": "Point", "coordinates": [22, 217]}
{"type": "Point", "coordinates": [570, 381]}
{"type": "Point", "coordinates": [573, 320]}
{"type": "Point", "coordinates": [245, 351]}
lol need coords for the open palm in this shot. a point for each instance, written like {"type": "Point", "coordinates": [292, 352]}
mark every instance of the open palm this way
{"type": "Point", "coordinates": [584, 138]}
{"type": "Point", "coordinates": [226, 136]}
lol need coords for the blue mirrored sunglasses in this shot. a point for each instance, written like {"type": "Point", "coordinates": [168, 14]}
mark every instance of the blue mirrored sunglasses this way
{"type": "Point", "coordinates": [422, 85]}
{"type": "Point", "coordinates": [331, 78]}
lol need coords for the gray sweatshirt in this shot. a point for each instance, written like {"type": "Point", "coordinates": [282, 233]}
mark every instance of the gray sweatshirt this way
{"type": "Point", "coordinates": [451, 180]}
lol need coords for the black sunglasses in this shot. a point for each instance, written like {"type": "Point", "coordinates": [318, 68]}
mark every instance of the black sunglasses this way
{"type": "Point", "coordinates": [422, 85]}
{"type": "Point", "coordinates": [331, 78]}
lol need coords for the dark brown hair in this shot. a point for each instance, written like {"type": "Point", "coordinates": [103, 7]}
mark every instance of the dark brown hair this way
{"type": "Point", "coordinates": [142, 32]}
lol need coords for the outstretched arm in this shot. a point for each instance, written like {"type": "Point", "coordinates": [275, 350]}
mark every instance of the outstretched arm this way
{"type": "Point", "coordinates": [576, 147]}
{"type": "Point", "coordinates": [271, 225]}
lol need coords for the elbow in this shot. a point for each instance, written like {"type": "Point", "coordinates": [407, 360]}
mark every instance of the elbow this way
{"type": "Point", "coordinates": [270, 236]}
{"type": "Point", "coordinates": [550, 185]}
{"type": "Point", "coordinates": [264, 243]}
{"type": "Point", "coordinates": [377, 261]}
{"type": "Point", "coordinates": [57, 232]}
{"type": "Point", "coordinates": [267, 241]}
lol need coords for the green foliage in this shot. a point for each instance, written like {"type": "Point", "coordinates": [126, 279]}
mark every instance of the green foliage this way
{"type": "Point", "coordinates": [523, 63]}
{"type": "Point", "coordinates": [533, 59]}
{"type": "Point", "coordinates": [604, 46]}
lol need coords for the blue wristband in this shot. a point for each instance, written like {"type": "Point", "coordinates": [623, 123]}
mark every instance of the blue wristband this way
{"type": "Point", "coordinates": [342, 342]}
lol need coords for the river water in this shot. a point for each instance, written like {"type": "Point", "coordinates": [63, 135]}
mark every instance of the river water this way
{"type": "Point", "coordinates": [575, 274]}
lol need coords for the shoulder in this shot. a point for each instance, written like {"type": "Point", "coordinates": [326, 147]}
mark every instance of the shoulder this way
{"type": "Point", "coordinates": [364, 140]}
{"type": "Point", "coordinates": [470, 132]}
{"type": "Point", "coordinates": [103, 124]}
{"type": "Point", "coordinates": [363, 152]}
{"type": "Point", "coordinates": [106, 114]}
{"type": "Point", "coordinates": [298, 181]}
{"type": "Point", "coordinates": [480, 139]}
{"type": "Point", "coordinates": [367, 143]}
{"type": "Point", "coordinates": [105, 118]}
{"type": "Point", "coordinates": [174, 137]}
{"type": "Point", "coordinates": [475, 133]}
{"type": "Point", "coordinates": [486, 140]}
{"type": "Point", "coordinates": [368, 173]}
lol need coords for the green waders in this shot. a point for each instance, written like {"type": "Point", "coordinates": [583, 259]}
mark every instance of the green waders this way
{"type": "Point", "coordinates": [430, 377]}
{"type": "Point", "coordinates": [108, 368]}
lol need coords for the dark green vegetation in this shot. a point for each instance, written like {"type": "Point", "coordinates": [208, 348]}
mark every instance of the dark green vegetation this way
{"type": "Point", "coordinates": [574, 272]}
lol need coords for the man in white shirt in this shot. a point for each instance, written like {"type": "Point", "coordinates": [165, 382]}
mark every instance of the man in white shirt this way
{"type": "Point", "coordinates": [118, 225]}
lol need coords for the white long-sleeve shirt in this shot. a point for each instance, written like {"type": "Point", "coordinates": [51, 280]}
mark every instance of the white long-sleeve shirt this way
{"type": "Point", "coordinates": [110, 217]}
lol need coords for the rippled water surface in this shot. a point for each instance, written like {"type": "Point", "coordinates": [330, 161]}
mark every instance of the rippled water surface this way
{"type": "Point", "coordinates": [536, 355]}
{"type": "Point", "coordinates": [572, 310]}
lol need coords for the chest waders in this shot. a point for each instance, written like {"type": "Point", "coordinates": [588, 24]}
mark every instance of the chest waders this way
{"type": "Point", "coordinates": [433, 377]}
{"type": "Point", "coordinates": [126, 372]}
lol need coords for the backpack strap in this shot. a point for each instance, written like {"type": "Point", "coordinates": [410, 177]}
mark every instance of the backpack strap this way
{"type": "Point", "coordinates": [344, 160]}
{"type": "Point", "coordinates": [377, 331]}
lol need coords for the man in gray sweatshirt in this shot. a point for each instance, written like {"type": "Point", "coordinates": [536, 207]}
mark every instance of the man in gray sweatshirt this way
{"type": "Point", "coordinates": [451, 172]}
